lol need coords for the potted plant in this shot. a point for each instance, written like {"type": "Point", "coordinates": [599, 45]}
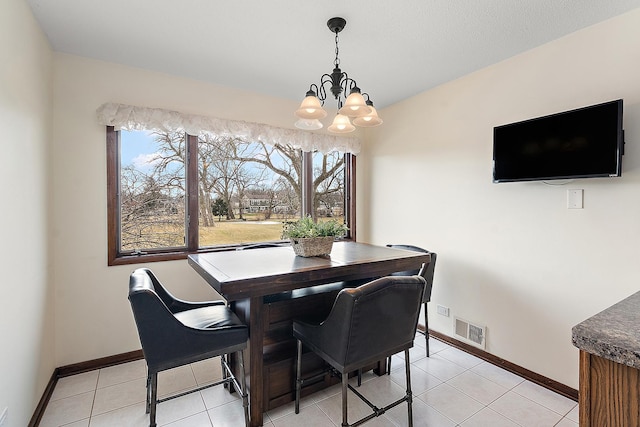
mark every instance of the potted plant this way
{"type": "Point", "coordinates": [310, 238]}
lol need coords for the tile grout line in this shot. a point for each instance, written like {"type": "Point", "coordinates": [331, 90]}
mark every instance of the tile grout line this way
{"type": "Point", "coordinates": [95, 392]}
{"type": "Point", "coordinates": [204, 403]}
{"type": "Point", "coordinates": [466, 369]}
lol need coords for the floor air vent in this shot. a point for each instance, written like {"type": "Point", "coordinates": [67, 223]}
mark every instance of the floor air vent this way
{"type": "Point", "coordinates": [470, 333]}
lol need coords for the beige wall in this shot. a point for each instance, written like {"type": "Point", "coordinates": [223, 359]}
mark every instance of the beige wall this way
{"type": "Point", "coordinates": [26, 319]}
{"type": "Point", "coordinates": [93, 315]}
{"type": "Point", "coordinates": [512, 256]}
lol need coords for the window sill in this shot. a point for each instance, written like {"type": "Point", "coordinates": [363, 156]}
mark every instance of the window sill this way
{"type": "Point", "coordinates": [174, 255]}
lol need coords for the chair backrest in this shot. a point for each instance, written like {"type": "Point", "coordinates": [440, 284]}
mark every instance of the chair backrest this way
{"type": "Point", "coordinates": [427, 272]}
{"type": "Point", "coordinates": [144, 279]}
{"type": "Point", "coordinates": [180, 332]}
{"type": "Point", "coordinates": [374, 320]}
{"type": "Point", "coordinates": [157, 325]}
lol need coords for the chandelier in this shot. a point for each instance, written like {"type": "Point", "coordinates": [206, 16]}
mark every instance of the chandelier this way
{"type": "Point", "coordinates": [353, 106]}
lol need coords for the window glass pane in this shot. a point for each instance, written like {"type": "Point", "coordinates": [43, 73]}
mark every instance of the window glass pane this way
{"type": "Point", "coordinates": [246, 190]}
{"type": "Point", "coordinates": [329, 185]}
{"type": "Point", "coordinates": [152, 190]}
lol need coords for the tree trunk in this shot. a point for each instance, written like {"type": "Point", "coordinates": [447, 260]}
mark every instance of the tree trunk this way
{"type": "Point", "coordinates": [206, 216]}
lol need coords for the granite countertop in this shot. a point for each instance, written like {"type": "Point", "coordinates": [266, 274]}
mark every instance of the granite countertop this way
{"type": "Point", "coordinates": [613, 334]}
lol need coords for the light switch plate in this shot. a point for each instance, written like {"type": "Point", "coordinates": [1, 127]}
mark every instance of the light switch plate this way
{"type": "Point", "coordinates": [575, 198]}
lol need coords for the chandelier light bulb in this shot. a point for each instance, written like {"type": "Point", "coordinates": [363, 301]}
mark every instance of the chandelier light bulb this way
{"type": "Point", "coordinates": [355, 105]}
{"type": "Point", "coordinates": [370, 120]}
{"type": "Point", "coordinates": [309, 124]}
{"type": "Point", "coordinates": [310, 108]}
{"type": "Point", "coordinates": [341, 124]}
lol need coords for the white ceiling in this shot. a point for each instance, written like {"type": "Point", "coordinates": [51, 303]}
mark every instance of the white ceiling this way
{"type": "Point", "coordinates": [279, 47]}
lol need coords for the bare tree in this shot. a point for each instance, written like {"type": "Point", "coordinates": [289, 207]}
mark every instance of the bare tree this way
{"type": "Point", "coordinates": [286, 162]}
{"type": "Point", "coordinates": [246, 178]}
{"type": "Point", "coordinates": [289, 202]}
{"type": "Point", "coordinates": [222, 175]}
{"type": "Point", "coordinates": [224, 168]}
{"type": "Point", "coordinates": [169, 161]}
{"type": "Point", "coordinates": [151, 215]}
{"type": "Point", "coordinates": [328, 182]}
{"type": "Point", "coordinates": [206, 181]}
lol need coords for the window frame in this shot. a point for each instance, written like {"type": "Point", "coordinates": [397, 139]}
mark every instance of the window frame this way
{"type": "Point", "coordinates": [115, 257]}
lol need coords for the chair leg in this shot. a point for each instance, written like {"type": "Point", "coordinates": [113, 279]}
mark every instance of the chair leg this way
{"type": "Point", "coordinates": [243, 385]}
{"type": "Point", "coordinates": [224, 373]}
{"type": "Point", "coordinates": [148, 392]}
{"type": "Point", "coordinates": [154, 399]}
{"type": "Point", "coordinates": [426, 327]}
{"type": "Point", "coordinates": [298, 376]}
{"type": "Point", "coordinates": [407, 367]}
{"type": "Point", "coordinates": [345, 388]}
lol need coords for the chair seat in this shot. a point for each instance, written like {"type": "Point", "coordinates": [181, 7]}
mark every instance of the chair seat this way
{"type": "Point", "coordinates": [212, 317]}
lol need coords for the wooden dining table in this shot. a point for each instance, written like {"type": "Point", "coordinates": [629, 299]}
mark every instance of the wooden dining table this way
{"type": "Point", "coordinates": [251, 279]}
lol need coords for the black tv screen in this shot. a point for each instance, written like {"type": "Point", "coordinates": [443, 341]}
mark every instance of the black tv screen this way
{"type": "Point", "coordinates": [583, 143]}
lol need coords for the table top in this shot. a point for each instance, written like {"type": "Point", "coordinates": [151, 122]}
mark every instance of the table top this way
{"type": "Point", "coordinates": [613, 333]}
{"type": "Point", "coordinates": [265, 271]}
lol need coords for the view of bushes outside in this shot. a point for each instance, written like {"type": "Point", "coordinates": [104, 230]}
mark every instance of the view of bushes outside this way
{"type": "Point", "coordinates": [245, 189]}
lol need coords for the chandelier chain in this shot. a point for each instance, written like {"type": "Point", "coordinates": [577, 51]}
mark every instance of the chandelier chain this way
{"type": "Point", "coordinates": [336, 62]}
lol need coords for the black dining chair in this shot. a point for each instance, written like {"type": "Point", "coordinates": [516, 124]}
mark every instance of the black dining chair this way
{"type": "Point", "coordinates": [175, 333]}
{"type": "Point", "coordinates": [427, 273]}
{"type": "Point", "coordinates": [367, 324]}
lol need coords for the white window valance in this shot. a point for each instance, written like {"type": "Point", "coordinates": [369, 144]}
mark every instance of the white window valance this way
{"type": "Point", "coordinates": [132, 117]}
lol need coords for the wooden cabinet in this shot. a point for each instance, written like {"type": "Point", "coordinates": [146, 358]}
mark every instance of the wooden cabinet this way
{"type": "Point", "coordinates": [609, 393]}
{"type": "Point", "coordinates": [609, 344]}
{"type": "Point", "coordinates": [280, 346]}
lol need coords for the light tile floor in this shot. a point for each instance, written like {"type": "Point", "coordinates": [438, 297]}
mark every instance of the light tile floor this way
{"type": "Point", "coordinates": [451, 388]}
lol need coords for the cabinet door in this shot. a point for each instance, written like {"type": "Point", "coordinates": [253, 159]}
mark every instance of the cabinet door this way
{"type": "Point", "coordinates": [609, 393]}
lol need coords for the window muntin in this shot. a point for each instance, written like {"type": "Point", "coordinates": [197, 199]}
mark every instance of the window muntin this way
{"type": "Point", "coordinates": [256, 185]}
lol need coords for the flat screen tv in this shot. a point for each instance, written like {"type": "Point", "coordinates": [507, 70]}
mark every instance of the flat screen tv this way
{"type": "Point", "coordinates": [583, 143]}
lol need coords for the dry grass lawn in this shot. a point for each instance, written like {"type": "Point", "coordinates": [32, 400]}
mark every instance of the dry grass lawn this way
{"type": "Point", "coordinates": [224, 232]}
{"type": "Point", "coordinates": [234, 232]}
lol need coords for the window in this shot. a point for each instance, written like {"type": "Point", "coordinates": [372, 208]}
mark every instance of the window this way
{"type": "Point", "coordinates": [171, 193]}
{"type": "Point", "coordinates": [152, 191]}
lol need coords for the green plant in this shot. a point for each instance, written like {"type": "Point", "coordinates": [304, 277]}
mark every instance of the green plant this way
{"type": "Point", "coordinates": [306, 227]}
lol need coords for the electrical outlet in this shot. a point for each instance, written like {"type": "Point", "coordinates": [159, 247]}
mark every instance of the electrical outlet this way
{"type": "Point", "coordinates": [3, 416]}
{"type": "Point", "coordinates": [443, 311]}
